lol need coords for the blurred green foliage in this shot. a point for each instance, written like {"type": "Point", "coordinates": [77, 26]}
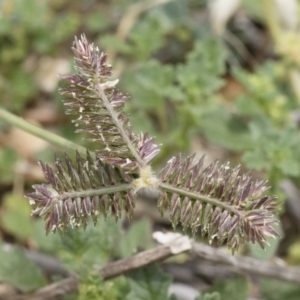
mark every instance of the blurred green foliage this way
{"type": "Point", "coordinates": [24, 33]}
{"type": "Point", "coordinates": [274, 290]}
{"type": "Point", "coordinates": [233, 289]}
{"type": "Point", "coordinates": [94, 288]}
{"type": "Point", "coordinates": [17, 270]}
{"type": "Point", "coordinates": [148, 283]}
{"type": "Point", "coordinates": [8, 158]}
{"type": "Point", "coordinates": [175, 69]}
{"type": "Point", "coordinates": [15, 216]}
{"type": "Point", "coordinates": [210, 296]}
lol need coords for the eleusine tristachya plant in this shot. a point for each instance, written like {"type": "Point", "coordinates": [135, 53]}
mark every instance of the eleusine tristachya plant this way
{"type": "Point", "coordinates": [225, 205]}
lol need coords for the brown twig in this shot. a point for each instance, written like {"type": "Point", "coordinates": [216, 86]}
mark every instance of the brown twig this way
{"type": "Point", "coordinates": [248, 265]}
{"type": "Point", "coordinates": [69, 285]}
{"type": "Point", "coordinates": [241, 264]}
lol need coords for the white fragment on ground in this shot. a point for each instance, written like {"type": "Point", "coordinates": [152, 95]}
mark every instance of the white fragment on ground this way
{"type": "Point", "coordinates": [177, 242]}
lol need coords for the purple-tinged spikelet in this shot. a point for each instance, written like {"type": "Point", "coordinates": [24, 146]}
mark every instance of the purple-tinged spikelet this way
{"type": "Point", "coordinates": [93, 98]}
{"type": "Point", "coordinates": [225, 205]}
{"type": "Point", "coordinates": [72, 194]}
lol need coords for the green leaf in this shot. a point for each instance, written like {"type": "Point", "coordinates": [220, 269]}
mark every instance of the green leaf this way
{"type": "Point", "coordinates": [233, 289]}
{"type": "Point", "coordinates": [264, 94]}
{"type": "Point", "coordinates": [275, 148]}
{"type": "Point", "coordinates": [32, 13]}
{"type": "Point", "coordinates": [294, 253]}
{"type": "Point", "coordinates": [19, 271]}
{"type": "Point", "coordinates": [92, 287]}
{"type": "Point", "coordinates": [146, 38]}
{"type": "Point", "coordinates": [173, 12]}
{"type": "Point", "coordinates": [205, 63]}
{"type": "Point", "coordinates": [96, 245]}
{"type": "Point", "coordinates": [8, 158]}
{"type": "Point", "coordinates": [254, 9]}
{"type": "Point", "coordinates": [23, 85]}
{"type": "Point", "coordinates": [50, 243]}
{"type": "Point", "coordinates": [150, 84]}
{"type": "Point", "coordinates": [149, 283]}
{"type": "Point", "coordinates": [278, 290]}
{"type": "Point", "coordinates": [140, 121]}
{"type": "Point", "coordinates": [138, 236]}
{"type": "Point", "coordinates": [24, 88]}
{"type": "Point", "coordinates": [16, 216]}
{"type": "Point", "coordinates": [256, 159]}
{"type": "Point", "coordinates": [97, 21]}
{"type": "Point", "coordinates": [226, 130]}
{"type": "Point", "coordinates": [210, 296]}
{"type": "Point", "coordinates": [112, 42]}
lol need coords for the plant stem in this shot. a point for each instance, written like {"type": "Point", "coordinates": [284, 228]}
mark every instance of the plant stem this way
{"type": "Point", "coordinates": [231, 264]}
{"type": "Point", "coordinates": [193, 196]}
{"type": "Point", "coordinates": [40, 132]}
{"type": "Point", "coordinates": [111, 270]}
{"type": "Point", "coordinates": [118, 124]}
{"type": "Point", "coordinates": [95, 192]}
{"type": "Point", "coordinates": [85, 193]}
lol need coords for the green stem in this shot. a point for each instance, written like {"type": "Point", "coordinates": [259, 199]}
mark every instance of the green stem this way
{"type": "Point", "coordinates": [40, 132]}
{"type": "Point", "coordinates": [120, 127]}
{"type": "Point", "coordinates": [95, 192]}
{"type": "Point", "coordinates": [87, 193]}
{"type": "Point", "coordinates": [193, 196]}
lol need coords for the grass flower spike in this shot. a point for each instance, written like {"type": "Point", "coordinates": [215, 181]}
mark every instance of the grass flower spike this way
{"type": "Point", "coordinates": [223, 204]}
{"type": "Point", "coordinates": [92, 97]}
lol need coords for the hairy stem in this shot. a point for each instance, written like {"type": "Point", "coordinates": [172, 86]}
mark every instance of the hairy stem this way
{"type": "Point", "coordinates": [40, 132]}
{"type": "Point", "coordinates": [119, 126]}
{"type": "Point", "coordinates": [95, 192]}
{"type": "Point", "coordinates": [193, 196]}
